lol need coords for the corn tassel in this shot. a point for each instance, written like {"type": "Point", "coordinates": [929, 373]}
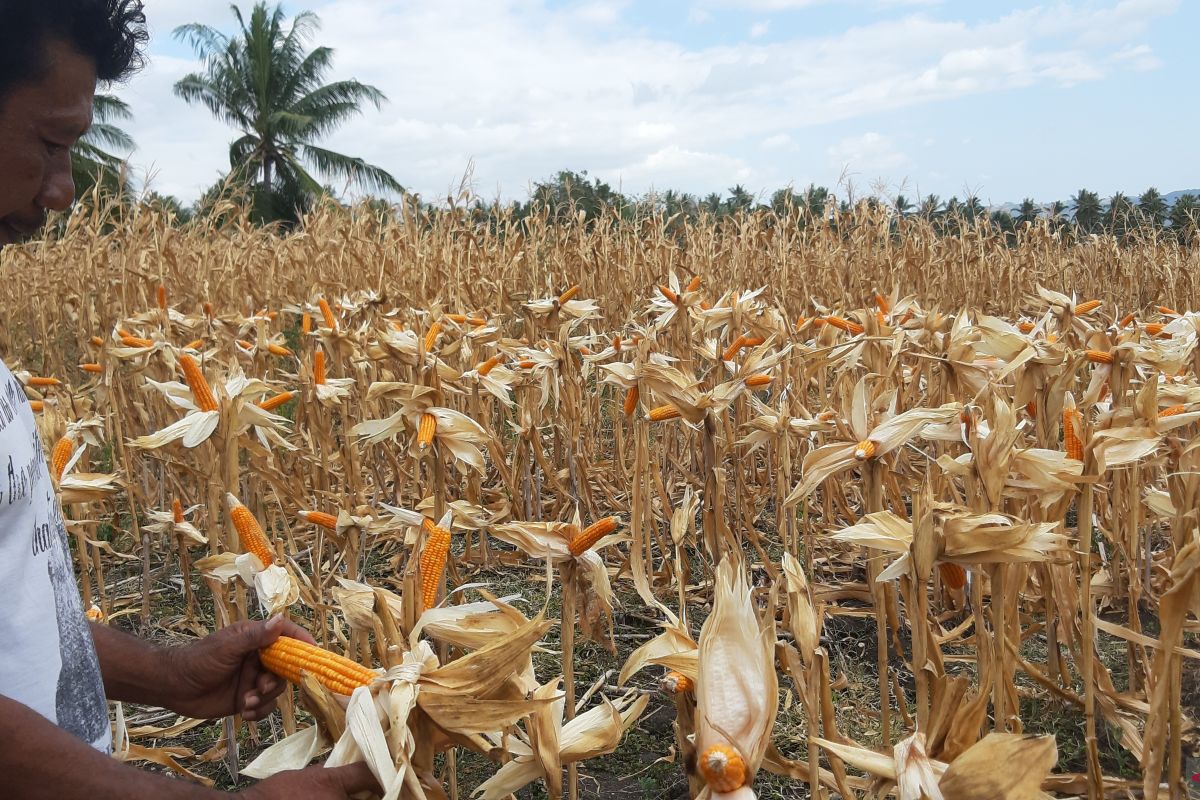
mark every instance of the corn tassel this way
{"type": "Point", "coordinates": [723, 768]}
{"type": "Point", "coordinates": [849, 326]}
{"type": "Point", "coordinates": [250, 533]}
{"type": "Point", "coordinates": [425, 430]}
{"type": "Point", "coordinates": [663, 413]}
{"type": "Point", "coordinates": [321, 519]}
{"type": "Point", "coordinates": [288, 658]}
{"type": "Point", "coordinates": [64, 448]}
{"type": "Point", "coordinates": [433, 562]}
{"type": "Point", "coordinates": [196, 381]}
{"type": "Point", "coordinates": [1099, 357]}
{"type": "Point", "coordinates": [327, 314]}
{"type": "Point", "coordinates": [431, 338]}
{"type": "Point", "coordinates": [865, 450]}
{"type": "Point", "coordinates": [591, 534]}
{"type": "Point", "coordinates": [631, 401]}
{"type": "Point", "coordinates": [319, 367]}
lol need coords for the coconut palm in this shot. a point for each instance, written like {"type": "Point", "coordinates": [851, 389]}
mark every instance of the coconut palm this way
{"type": "Point", "coordinates": [91, 160]}
{"type": "Point", "coordinates": [265, 82]}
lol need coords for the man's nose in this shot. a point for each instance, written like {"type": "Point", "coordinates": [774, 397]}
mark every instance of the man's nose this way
{"type": "Point", "coordinates": [58, 187]}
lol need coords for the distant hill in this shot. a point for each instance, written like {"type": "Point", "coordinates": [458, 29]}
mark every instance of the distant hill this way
{"type": "Point", "coordinates": [1069, 213]}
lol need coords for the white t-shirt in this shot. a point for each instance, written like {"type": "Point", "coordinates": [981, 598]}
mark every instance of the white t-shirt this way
{"type": "Point", "coordinates": [47, 658]}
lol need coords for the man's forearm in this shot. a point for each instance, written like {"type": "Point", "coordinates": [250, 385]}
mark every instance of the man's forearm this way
{"type": "Point", "coordinates": [134, 670]}
{"type": "Point", "coordinates": [40, 760]}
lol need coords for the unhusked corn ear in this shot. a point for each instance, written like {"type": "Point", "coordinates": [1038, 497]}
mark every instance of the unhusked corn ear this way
{"type": "Point", "coordinates": [288, 658]}
{"type": "Point", "coordinates": [250, 533]}
{"type": "Point", "coordinates": [425, 430]}
{"type": "Point", "coordinates": [631, 401]}
{"type": "Point", "coordinates": [327, 314]}
{"type": "Point", "coordinates": [64, 448]}
{"type": "Point", "coordinates": [431, 338]}
{"type": "Point", "coordinates": [319, 367]}
{"type": "Point", "coordinates": [663, 413]}
{"type": "Point", "coordinates": [592, 534]}
{"type": "Point", "coordinates": [272, 403]}
{"type": "Point", "coordinates": [676, 683]}
{"type": "Point", "coordinates": [1173, 411]}
{"type": "Point", "coordinates": [848, 325]}
{"type": "Point", "coordinates": [723, 768]}
{"type": "Point", "coordinates": [177, 511]}
{"type": "Point", "coordinates": [566, 296]}
{"type": "Point", "coordinates": [1087, 307]}
{"type": "Point", "coordinates": [865, 450]}
{"type": "Point", "coordinates": [953, 575]}
{"type": "Point", "coordinates": [201, 392]}
{"type": "Point", "coordinates": [433, 561]}
{"type": "Point", "coordinates": [320, 518]}
{"type": "Point", "coordinates": [758, 381]}
{"type": "Point", "coordinates": [1072, 419]}
{"type": "Point", "coordinates": [1099, 357]}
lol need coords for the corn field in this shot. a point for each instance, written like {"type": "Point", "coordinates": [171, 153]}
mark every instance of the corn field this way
{"type": "Point", "coordinates": [461, 455]}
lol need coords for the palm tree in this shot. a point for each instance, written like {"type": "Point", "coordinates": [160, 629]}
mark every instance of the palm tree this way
{"type": "Point", "coordinates": [1152, 207]}
{"type": "Point", "coordinates": [266, 83]}
{"type": "Point", "coordinates": [930, 206]}
{"type": "Point", "coordinates": [740, 199]}
{"type": "Point", "coordinates": [1087, 211]}
{"type": "Point", "coordinates": [1185, 216]}
{"type": "Point", "coordinates": [1028, 211]}
{"type": "Point", "coordinates": [902, 205]}
{"type": "Point", "coordinates": [91, 160]}
{"type": "Point", "coordinates": [1119, 215]}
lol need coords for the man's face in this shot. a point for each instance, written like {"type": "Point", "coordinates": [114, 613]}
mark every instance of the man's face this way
{"type": "Point", "coordinates": [40, 120]}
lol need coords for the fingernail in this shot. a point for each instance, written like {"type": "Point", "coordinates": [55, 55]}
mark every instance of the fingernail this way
{"type": "Point", "coordinates": [274, 622]}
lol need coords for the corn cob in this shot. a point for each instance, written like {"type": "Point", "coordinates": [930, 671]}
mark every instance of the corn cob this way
{"type": "Point", "coordinates": [319, 367]}
{"type": "Point", "coordinates": [907, 316]}
{"type": "Point", "coordinates": [457, 319]}
{"type": "Point", "coordinates": [1025, 327]}
{"type": "Point", "coordinates": [433, 561]}
{"type": "Point", "coordinates": [1031, 409]}
{"type": "Point", "coordinates": [94, 369]}
{"type": "Point", "coordinates": [196, 381]}
{"type": "Point", "coordinates": [1168, 311]}
{"type": "Point", "coordinates": [1087, 307]}
{"type": "Point", "coordinates": [526, 363]}
{"type": "Point", "coordinates": [327, 314]}
{"type": "Point", "coordinates": [865, 450]}
{"type": "Point", "coordinates": [800, 322]}
{"type": "Point", "coordinates": [616, 343]}
{"type": "Point", "coordinates": [425, 430]}
{"type": "Point", "coordinates": [177, 511]}
{"type": "Point", "coordinates": [477, 322]}
{"type": "Point", "coordinates": [431, 337]}
{"type": "Point", "coordinates": [733, 348]}
{"type": "Point", "coordinates": [288, 658]}
{"type": "Point", "coordinates": [94, 614]}
{"type": "Point", "coordinates": [195, 344]}
{"type": "Point", "coordinates": [631, 401]}
{"type": "Point", "coordinates": [705, 305]}
{"type": "Point", "coordinates": [306, 324]}
{"type": "Point", "coordinates": [136, 341]}
{"type": "Point", "coordinates": [670, 295]}
{"type": "Point", "coordinates": [758, 381]}
{"type": "Point", "coordinates": [693, 284]}
{"type": "Point", "coordinates": [953, 575]}
{"type": "Point", "coordinates": [162, 297]}
{"type": "Point", "coordinates": [42, 383]}
{"type": "Point", "coordinates": [250, 533]}
{"type": "Point", "coordinates": [320, 519]}
{"type": "Point", "coordinates": [208, 310]}
{"type": "Point", "coordinates": [882, 304]}
{"type": "Point", "coordinates": [64, 448]}
{"type": "Point", "coordinates": [1125, 320]}
{"type": "Point", "coordinates": [754, 341]}
{"type": "Point", "coordinates": [279, 350]}
{"type": "Point", "coordinates": [880, 318]}
{"type": "Point", "coordinates": [1071, 441]}
{"type": "Point", "coordinates": [1173, 411]}
{"type": "Point", "coordinates": [37, 406]}
{"type": "Point", "coordinates": [723, 768]}
{"type": "Point", "coordinates": [849, 326]}
{"type": "Point", "coordinates": [245, 345]}
{"type": "Point", "coordinates": [1099, 357]}
{"type": "Point", "coordinates": [676, 683]}
{"type": "Point", "coordinates": [663, 413]}
{"type": "Point", "coordinates": [567, 296]}
{"type": "Point", "coordinates": [485, 367]}
{"type": "Point", "coordinates": [592, 534]}
{"type": "Point", "coordinates": [96, 341]}
{"type": "Point", "coordinates": [1156, 329]}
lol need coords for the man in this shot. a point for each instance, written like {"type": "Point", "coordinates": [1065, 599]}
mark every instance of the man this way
{"type": "Point", "coordinates": [56, 669]}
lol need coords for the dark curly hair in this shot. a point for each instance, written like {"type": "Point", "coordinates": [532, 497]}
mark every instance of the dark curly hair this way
{"type": "Point", "coordinates": [111, 32]}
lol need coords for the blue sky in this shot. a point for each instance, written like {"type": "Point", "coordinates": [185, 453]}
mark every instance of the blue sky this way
{"type": "Point", "coordinates": [1005, 100]}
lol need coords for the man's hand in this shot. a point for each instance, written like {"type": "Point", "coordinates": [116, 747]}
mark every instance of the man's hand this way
{"type": "Point", "coordinates": [315, 783]}
{"type": "Point", "coordinates": [221, 675]}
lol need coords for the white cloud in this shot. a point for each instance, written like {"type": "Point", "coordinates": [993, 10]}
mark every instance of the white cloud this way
{"type": "Point", "coordinates": [759, 29]}
{"type": "Point", "coordinates": [522, 89]}
{"type": "Point", "coordinates": [870, 155]}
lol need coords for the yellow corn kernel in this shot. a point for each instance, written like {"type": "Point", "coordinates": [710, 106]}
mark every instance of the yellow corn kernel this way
{"type": "Point", "coordinates": [288, 658]}
{"type": "Point", "coordinates": [272, 403]}
{"type": "Point", "coordinates": [631, 401]}
{"type": "Point", "coordinates": [849, 326]}
{"type": "Point", "coordinates": [1087, 307]}
{"type": "Point", "coordinates": [64, 448]}
{"type": "Point", "coordinates": [1173, 411]}
{"type": "Point", "coordinates": [162, 297]}
{"type": "Point", "coordinates": [1025, 327]}
{"type": "Point", "coordinates": [196, 381]}
{"type": "Point", "coordinates": [194, 345]}
{"type": "Point", "coordinates": [1168, 311]}
{"type": "Point", "coordinates": [42, 383]}
{"type": "Point", "coordinates": [693, 284]}
{"type": "Point", "coordinates": [306, 324]}
{"type": "Point", "coordinates": [953, 576]}
{"type": "Point", "coordinates": [477, 322]}
{"type": "Point", "coordinates": [425, 430]}
{"type": "Point", "coordinates": [865, 450]}
{"type": "Point", "coordinates": [1099, 357]}
{"type": "Point", "coordinates": [136, 341]}
{"type": "Point", "coordinates": [279, 350]}
{"type": "Point", "coordinates": [319, 367]}
{"type": "Point", "coordinates": [758, 381]}
{"type": "Point", "coordinates": [1031, 409]}
{"type": "Point", "coordinates": [676, 683]}
{"type": "Point", "coordinates": [250, 533]}
{"type": "Point", "coordinates": [1073, 445]}
{"type": "Point", "coordinates": [485, 367]}
{"type": "Point", "coordinates": [94, 369]}
{"type": "Point", "coordinates": [431, 337]}
{"type": "Point", "coordinates": [1156, 329]}
{"type": "Point", "coordinates": [566, 296]}
{"type": "Point", "coordinates": [177, 511]}
{"type": "Point", "coordinates": [327, 314]}
{"type": "Point", "coordinates": [208, 310]}
{"type": "Point", "coordinates": [663, 413]}
{"type": "Point", "coordinates": [527, 363]}
{"type": "Point", "coordinates": [734, 346]}
{"type": "Point", "coordinates": [907, 316]}
{"type": "Point", "coordinates": [670, 295]}
{"type": "Point", "coordinates": [37, 406]}
{"type": "Point", "coordinates": [1125, 320]}
{"type": "Point", "coordinates": [433, 562]}
{"type": "Point", "coordinates": [457, 319]}
{"type": "Point", "coordinates": [321, 519]}
{"type": "Point", "coordinates": [723, 768]}
{"type": "Point", "coordinates": [592, 534]}
{"type": "Point", "coordinates": [96, 341]}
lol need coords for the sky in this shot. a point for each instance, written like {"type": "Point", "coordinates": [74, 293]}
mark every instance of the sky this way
{"type": "Point", "coordinates": [1002, 100]}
